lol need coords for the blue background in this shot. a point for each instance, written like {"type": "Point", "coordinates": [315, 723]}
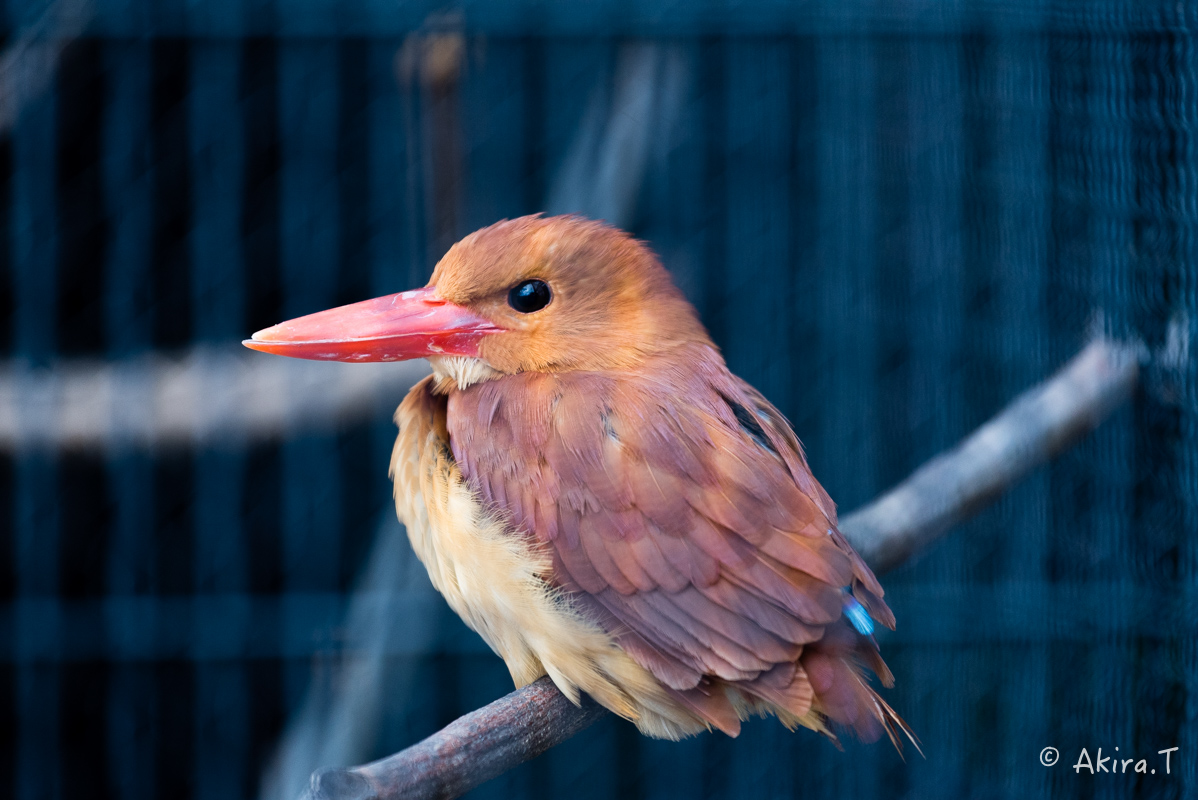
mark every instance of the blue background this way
{"type": "Point", "coordinates": [893, 216]}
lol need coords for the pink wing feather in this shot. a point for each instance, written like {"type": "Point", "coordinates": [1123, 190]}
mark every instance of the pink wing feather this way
{"type": "Point", "coordinates": [680, 512]}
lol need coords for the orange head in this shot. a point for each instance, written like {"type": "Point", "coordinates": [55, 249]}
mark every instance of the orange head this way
{"type": "Point", "coordinates": [530, 294]}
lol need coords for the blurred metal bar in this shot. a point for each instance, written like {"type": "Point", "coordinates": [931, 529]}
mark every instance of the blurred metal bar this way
{"type": "Point", "coordinates": [500, 134]}
{"type": "Point", "coordinates": [415, 623]}
{"type": "Point", "coordinates": [929, 96]}
{"type": "Point", "coordinates": [397, 259]}
{"type": "Point", "coordinates": [34, 228]}
{"type": "Point", "coordinates": [127, 182]}
{"type": "Point", "coordinates": [844, 299]}
{"type": "Point", "coordinates": [221, 738]}
{"type": "Point", "coordinates": [217, 174]}
{"type": "Point", "coordinates": [1019, 271]}
{"type": "Point", "coordinates": [1180, 340]}
{"type": "Point", "coordinates": [758, 217]}
{"type": "Point", "coordinates": [671, 18]}
{"type": "Point", "coordinates": [128, 196]}
{"type": "Point", "coordinates": [210, 396]}
{"type": "Point", "coordinates": [309, 231]}
{"type": "Point", "coordinates": [36, 622]}
{"type": "Point", "coordinates": [309, 212]}
{"type": "Point", "coordinates": [152, 628]}
{"type": "Point", "coordinates": [34, 242]}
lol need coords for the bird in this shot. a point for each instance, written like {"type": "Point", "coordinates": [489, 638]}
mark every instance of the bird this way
{"type": "Point", "coordinates": [602, 500]}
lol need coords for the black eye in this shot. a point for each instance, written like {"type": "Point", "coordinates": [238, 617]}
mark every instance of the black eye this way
{"type": "Point", "coordinates": [529, 296]}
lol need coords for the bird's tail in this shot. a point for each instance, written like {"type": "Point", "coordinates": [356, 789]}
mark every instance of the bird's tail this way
{"type": "Point", "coordinates": [843, 697]}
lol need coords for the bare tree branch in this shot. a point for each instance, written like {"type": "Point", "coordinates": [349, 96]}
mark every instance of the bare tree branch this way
{"type": "Point", "coordinates": [469, 751]}
{"type": "Point", "coordinates": [1040, 423]}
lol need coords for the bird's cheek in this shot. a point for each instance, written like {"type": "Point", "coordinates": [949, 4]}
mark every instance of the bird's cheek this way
{"type": "Point", "coordinates": [502, 351]}
{"type": "Point", "coordinates": [519, 351]}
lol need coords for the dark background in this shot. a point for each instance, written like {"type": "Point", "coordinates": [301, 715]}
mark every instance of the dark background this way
{"type": "Point", "coordinates": [893, 216]}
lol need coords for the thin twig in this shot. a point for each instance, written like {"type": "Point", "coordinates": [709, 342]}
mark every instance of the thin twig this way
{"type": "Point", "coordinates": [1040, 423]}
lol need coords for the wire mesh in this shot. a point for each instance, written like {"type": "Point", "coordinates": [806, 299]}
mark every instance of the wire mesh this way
{"type": "Point", "coordinates": [892, 217]}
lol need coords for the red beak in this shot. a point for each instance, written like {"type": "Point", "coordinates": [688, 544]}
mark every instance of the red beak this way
{"type": "Point", "coordinates": [400, 326]}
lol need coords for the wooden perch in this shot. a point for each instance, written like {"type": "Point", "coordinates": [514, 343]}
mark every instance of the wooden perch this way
{"type": "Point", "coordinates": [1040, 423]}
{"type": "Point", "coordinates": [472, 749]}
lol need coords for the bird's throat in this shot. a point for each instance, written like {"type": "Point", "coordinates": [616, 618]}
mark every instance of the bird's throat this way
{"type": "Point", "coordinates": [459, 372]}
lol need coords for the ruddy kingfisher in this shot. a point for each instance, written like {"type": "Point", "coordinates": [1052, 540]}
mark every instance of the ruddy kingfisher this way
{"type": "Point", "coordinates": [602, 500]}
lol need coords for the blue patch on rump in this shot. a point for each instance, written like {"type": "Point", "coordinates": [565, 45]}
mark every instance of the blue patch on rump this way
{"type": "Point", "coordinates": [858, 615]}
